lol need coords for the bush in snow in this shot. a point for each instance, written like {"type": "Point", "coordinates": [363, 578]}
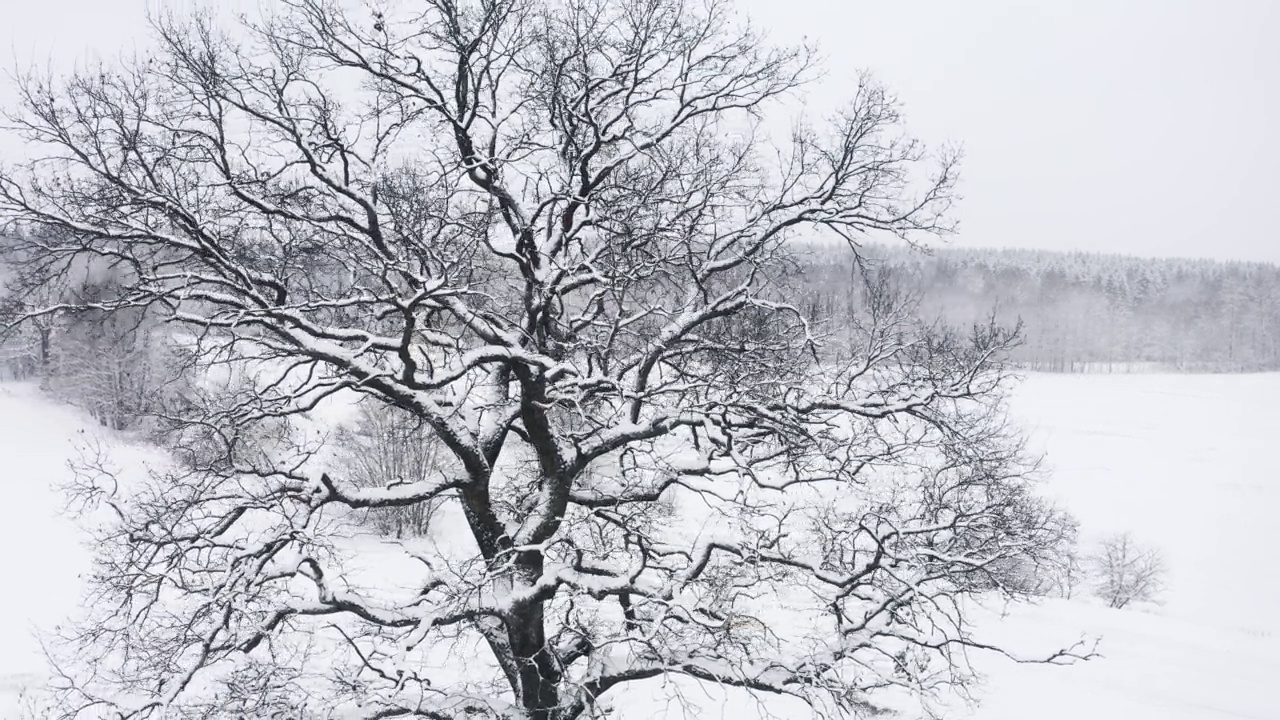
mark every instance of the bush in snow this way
{"type": "Point", "coordinates": [1126, 572]}
{"type": "Point", "coordinates": [389, 448]}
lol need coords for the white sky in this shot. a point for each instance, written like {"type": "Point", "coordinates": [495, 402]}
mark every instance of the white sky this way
{"type": "Point", "coordinates": [1148, 127]}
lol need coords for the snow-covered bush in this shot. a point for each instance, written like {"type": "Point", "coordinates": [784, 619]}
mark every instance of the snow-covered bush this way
{"type": "Point", "coordinates": [1126, 572]}
{"type": "Point", "coordinates": [385, 448]}
{"type": "Point", "coordinates": [116, 366]}
{"type": "Point", "coordinates": [118, 363]}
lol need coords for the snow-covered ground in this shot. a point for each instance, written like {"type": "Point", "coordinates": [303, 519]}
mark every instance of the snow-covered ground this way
{"type": "Point", "coordinates": [1186, 463]}
{"type": "Point", "coordinates": [40, 553]}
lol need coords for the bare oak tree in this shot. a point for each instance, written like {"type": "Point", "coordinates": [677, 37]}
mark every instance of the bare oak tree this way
{"type": "Point", "coordinates": [557, 234]}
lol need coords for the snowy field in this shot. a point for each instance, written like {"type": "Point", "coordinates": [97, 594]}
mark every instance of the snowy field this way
{"type": "Point", "coordinates": [1187, 464]}
{"type": "Point", "coordinates": [1184, 463]}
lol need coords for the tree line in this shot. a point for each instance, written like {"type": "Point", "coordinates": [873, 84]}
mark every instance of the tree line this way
{"type": "Point", "coordinates": [1083, 312]}
{"type": "Point", "coordinates": [1080, 312]}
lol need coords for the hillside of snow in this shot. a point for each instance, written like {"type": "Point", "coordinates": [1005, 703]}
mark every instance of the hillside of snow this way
{"type": "Point", "coordinates": [1184, 462]}
{"type": "Point", "coordinates": [40, 552]}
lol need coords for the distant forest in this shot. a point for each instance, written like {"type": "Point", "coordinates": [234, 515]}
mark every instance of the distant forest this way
{"type": "Point", "coordinates": [1079, 313]}
{"type": "Point", "coordinates": [1085, 312]}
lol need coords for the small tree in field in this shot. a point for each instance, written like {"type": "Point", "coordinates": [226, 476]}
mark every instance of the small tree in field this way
{"type": "Point", "coordinates": [557, 236]}
{"type": "Point", "coordinates": [1126, 572]}
{"type": "Point", "coordinates": [389, 447]}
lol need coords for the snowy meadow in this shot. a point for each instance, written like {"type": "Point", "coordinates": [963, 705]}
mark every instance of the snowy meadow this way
{"type": "Point", "coordinates": [1180, 461]}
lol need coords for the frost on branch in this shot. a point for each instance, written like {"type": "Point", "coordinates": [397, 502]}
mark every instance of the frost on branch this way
{"type": "Point", "coordinates": [557, 237]}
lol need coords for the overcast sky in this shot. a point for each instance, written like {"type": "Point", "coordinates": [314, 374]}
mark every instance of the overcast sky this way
{"type": "Point", "coordinates": [1147, 127]}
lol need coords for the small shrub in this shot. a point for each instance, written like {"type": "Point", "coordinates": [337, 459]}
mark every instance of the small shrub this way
{"type": "Point", "coordinates": [1067, 574]}
{"type": "Point", "coordinates": [389, 447]}
{"type": "Point", "coordinates": [1126, 572]}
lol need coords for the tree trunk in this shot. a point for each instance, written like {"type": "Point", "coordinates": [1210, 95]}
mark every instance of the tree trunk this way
{"type": "Point", "coordinates": [45, 347]}
{"type": "Point", "coordinates": [536, 668]}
